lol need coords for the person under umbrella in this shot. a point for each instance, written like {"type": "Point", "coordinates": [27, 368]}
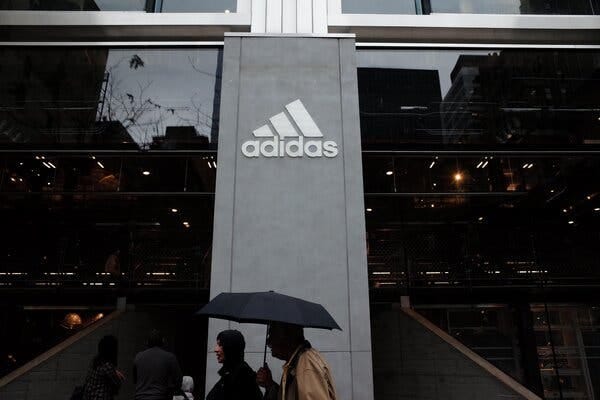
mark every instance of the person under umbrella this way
{"type": "Point", "coordinates": [266, 308]}
{"type": "Point", "coordinates": [306, 374]}
{"type": "Point", "coordinates": [238, 380]}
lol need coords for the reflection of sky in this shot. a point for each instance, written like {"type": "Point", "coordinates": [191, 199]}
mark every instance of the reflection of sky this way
{"type": "Point", "coordinates": [121, 5]}
{"type": "Point", "coordinates": [173, 88]}
{"type": "Point", "coordinates": [217, 6]}
{"type": "Point", "coordinates": [437, 6]}
{"type": "Point", "coordinates": [476, 6]}
{"type": "Point", "coordinates": [442, 60]}
{"type": "Point", "coordinates": [379, 6]}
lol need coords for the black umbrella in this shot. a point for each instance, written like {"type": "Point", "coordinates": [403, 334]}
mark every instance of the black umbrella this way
{"type": "Point", "coordinates": [267, 307]}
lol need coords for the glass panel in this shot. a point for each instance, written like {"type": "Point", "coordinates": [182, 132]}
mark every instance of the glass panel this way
{"type": "Point", "coordinates": [100, 98]}
{"type": "Point", "coordinates": [74, 5]}
{"type": "Point", "coordinates": [564, 366]}
{"type": "Point", "coordinates": [502, 98]}
{"type": "Point", "coordinates": [208, 6]}
{"type": "Point", "coordinates": [101, 230]}
{"type": "Point", "coordinates": [513, 6]}
{"type": "Point", "coordinates": [504, 223]}
{"type": "Point", "coordinates": [380, 6]}
{"type": "Point", "coordinates": [489, 331]}
{"type": "Point", "coordinates": [27, 333]}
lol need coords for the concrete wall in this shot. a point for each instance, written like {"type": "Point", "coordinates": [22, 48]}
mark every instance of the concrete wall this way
{"type": "Point", "coordinates": [295, 225]}
{"type": "Point", "coordinates": [412, 363]}
{"type": "Point", "coordinates": [56, 378]}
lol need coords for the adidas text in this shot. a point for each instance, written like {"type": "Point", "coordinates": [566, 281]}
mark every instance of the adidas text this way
{"type": "Point", "coordinates": [286, 139]}
{"type": "Point", "coordinates": [290, 148]}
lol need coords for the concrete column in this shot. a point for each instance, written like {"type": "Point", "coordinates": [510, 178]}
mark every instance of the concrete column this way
{"type": "Point", "coordinates": [289, 209]}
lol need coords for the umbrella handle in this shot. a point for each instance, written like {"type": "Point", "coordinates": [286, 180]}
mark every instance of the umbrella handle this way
{"type": "Point", "coordinates": [265, 353]}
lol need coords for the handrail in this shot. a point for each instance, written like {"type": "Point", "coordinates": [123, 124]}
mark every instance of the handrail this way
{"type": "Point", "coordinates": [471, 355]}
{"type": "Point", "coordinates": [5, 380]}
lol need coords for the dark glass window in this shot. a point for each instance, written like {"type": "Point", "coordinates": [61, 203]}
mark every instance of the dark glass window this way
{"type": "Point", "coordinates": [568, 7]}
{"type": "Point", "coordinates": [207, 6]}
{"type": "Point", "coordinates": [514, 6]}
{"type": "Point", "coordinates": [481, 177]}
{"type": "Point", "coordinates": [108, 166]}
{"type": "Point", "coordinates": [380, 7]}
{"type": "Point", "coordinates": [74, 5]}
{"type": "Point", "coordinates": [100, 98]}
{"type": "Point", "coordinates": [106, 221]}
{"type": "Point", "coordinates": [501, 99]}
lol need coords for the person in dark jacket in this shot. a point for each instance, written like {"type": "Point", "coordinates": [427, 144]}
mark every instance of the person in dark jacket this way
{"type": "Point", "coordinates": [238, 380]}
{"type": "Point", "coordinates": [156, 371]}
{"type": "Point", "coordinates": [104, 379]}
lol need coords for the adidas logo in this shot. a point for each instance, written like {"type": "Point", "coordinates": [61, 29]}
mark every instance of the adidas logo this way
{"type": "Point", "coordinates": [308, 142]}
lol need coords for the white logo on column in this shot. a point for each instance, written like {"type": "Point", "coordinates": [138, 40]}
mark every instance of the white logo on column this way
{"type": "Point", "coordinates": [307, 142]}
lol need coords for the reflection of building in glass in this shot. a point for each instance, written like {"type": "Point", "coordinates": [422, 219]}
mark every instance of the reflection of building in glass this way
{"type": "Point", "coordinates": [51, 5]}
{"type": "Point", "coordinates": [179, 137]}
{"type": "Point", "coordinates": [556, 7]}
{"type": "Point", "coordinates": [398, 105]}
{"type": "Point", "coordinates": [51, 97]}
{"type": "Point", "coordinates": [480, 166]}
{"type": "Point", "coordinates": [522, 98]}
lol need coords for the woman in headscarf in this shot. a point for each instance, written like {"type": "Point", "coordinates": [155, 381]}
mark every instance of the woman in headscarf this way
{"type": "Point", "coordinates": [238, 380]}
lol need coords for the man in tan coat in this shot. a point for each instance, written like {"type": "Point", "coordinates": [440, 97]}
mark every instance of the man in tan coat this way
{"type": "Point", "coordinates": [306, 374]}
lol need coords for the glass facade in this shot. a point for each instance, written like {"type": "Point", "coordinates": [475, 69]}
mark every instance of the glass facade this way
{"type": "Point", "coordinates": [381, 7]}
{"type": "Point", "coordinates": [573, 7]}
{"type": "Point", "coordinates": [569, 7]}
{"type": "Point", "coordinates": [206, 6]}
{"type": "Point", "coordinates": [100, 98]}
{"type": "Point", "coordinates": [481, 173]}
{"type": "Point", "coordinates": [107, 178]}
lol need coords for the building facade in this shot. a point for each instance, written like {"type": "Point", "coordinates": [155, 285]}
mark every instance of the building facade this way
{"type": "Point", "coordinates": [427, 170]}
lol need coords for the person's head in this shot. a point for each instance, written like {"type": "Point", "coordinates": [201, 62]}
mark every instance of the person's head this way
{"type": "Point", "coordinates": [108, 349]}
{"type": "Point", "coordinates": [155, 339]}
{"type": "Point", "coordinates": [283, 339]}
{"type": "Point", "coordinates": [187, 384]}
{"type": "Point", "coordinates": [230, 347]}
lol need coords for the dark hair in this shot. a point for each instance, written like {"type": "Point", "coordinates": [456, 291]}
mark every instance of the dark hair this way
{"type": "Point", "coordinates": [233, 344]}
{"type": "Point", "coordinates": [293, 333]}
{"type": "Point", "coordinates": [155, 339]}
{"type": "Point", "coordinates": [108, 349]}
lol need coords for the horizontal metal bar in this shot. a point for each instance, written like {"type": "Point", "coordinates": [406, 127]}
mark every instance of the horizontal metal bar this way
{"type": "Point", "coordinates": [84, 152]}
{"type": "Point", "coordinates": [481, 152]}
{"type": "Point", "coordinates": [360, 45]}
{"type": "Point", "coordinates": [486, 46]}
{"type": "Point", "coordinates": [292, 35]}
{"type": "Point", "coordinates": [466, 21]}
{"type": "Point", "coordinates": [180, 43]}
{"type": "Point", "coordinates": [108, 194]}
{"type": "Point", "coordinates": [123, 18]}
{"type": "Point", "coordinates": [439, 194]}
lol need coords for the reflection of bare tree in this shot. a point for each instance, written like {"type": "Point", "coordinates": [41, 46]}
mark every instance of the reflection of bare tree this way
{"type": "Point", "coordinates": [145, 117]}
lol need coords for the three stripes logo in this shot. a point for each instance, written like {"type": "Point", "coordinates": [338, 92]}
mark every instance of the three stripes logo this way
{"type": "Point", "coordinates": [307, 142]}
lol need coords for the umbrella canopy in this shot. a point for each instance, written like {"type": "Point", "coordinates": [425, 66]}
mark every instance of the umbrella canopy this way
{"type": "Point", "coordinates": [267, 307]}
